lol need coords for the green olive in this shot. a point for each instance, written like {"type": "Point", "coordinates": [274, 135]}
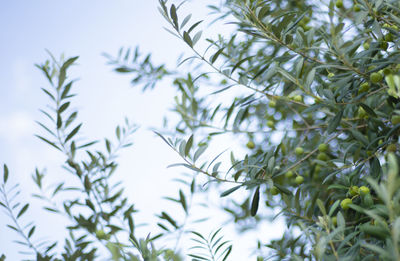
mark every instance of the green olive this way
{"type": "Point", "coordinates": [357, 8]}
{"type": "Point", "coordinates": [299, 151]}
{"type": "Point", "coordinates": [298, 98]}
{"type": "Point", "coordinates": [250, 145]}
{"type": "Point", "coordinates": [364, 87]}
{"type": "Point", "coordinates": [339, 4]}
{"type": "Point", "coordinates": [353, 190]}
{"type": "Point", "coordinates": [391, 147]}
{"type": "Point", "coordinates": [272, 104]}
{"type": "Point", "coordinates": [345, 204]}
{"type": "Point", "coordinates": [270, 124]}
{"type": "Point", "coordinates": [289, 174]}
{"type": "Point", "coordinates": [299, 180]}
{"type": "Point", "coordinates": [395, 119]}
{"type": "Point", "coordinates": [274, 191]}
{"type": "Point", "coordinates": [322, 156]}
{"type": "Point", "coordinates": [334, 221]}
{"type": "Point", "coordinates": [364, 190]}
{"type": "Point", "coordinates": [375, 77]}
{"type": "Point", "coordinates": [323, 147]}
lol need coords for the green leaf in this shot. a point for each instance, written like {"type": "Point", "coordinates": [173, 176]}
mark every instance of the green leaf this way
{"type": "Point", "coordinates": [335, 122]}
{"type": "Point", "coordinates": [187, 39]}
{"type": "Point", "coordinates": [23, 210]}
{"type": "Point", "coordinates": [5, 173]}
{"type": "Point", "coordinates": [215, 56]}
{"type": "Point", "coordinates": [49, 142]}
{"type": "Point", "coordinates": [188, 145]}
{"type": "Point", "coordinates": [174, 17]}
{"type": "Point", "coordinates": [63, 107]}
{"type": "Point", "coordinates": [194, 26]}
{"type": "Point", "coordinates": [72, 133]}
{"type": "Point", "coordinates": [368, 110]}
{"type": "Point", "coordinates": [229, 191]}
{"type": "Point", "coordinates": [182, 199]}
{"type": "Point", "coordinates": [255, 202]}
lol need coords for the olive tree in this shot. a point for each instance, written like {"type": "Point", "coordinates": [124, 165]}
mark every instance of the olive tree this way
{"type": "Point", "coordinates": [313, 87]}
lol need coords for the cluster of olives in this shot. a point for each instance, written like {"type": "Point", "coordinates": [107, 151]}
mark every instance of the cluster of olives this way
{"type": "Point", "coordinates": [355, 191]}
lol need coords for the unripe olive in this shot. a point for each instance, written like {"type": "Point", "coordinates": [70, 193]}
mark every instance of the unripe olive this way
{"type": "Point", "coordinates": [334, 221]}
{"type": "Point", "coordinates": [289, 174]}
{"type": "Point", "coordinates": [395, 119]}
{"type": "Point", "coordinates": [100, 234]}
{"type": "Point", "coordinates": [391, 147]}
{"type": "Point", "coordinates": [364, 190]}
{"type": "Point", "coordinates": [330, 75]}
{"type": "Point", "coordinates": [299, 180]}
{"type": "Point", "coordinates": [317, 169]}
{"type": "Point", "coordinates": [366, 45]}
{"type": "Point", "coordinates": [357, 8]}
{"type": "Point", "coordinates": [345, 204]}
{"type": "Point", "coordinates": [322, 156]}
{"type": "Point", "coordinates": [353, 190]}
{"type": "Point", "coordinates": [270, 124]}
{"type": "Point", "coordinates": [250, 145]}
{"type": "Point", "coordinates": [387, 71]}
{"type": "Point", "coordinates": [298, 98]}
{"type": "Point", "coordinates": [375, 77]}
{"type": "Point", "coordinates": [362, 113]}
{"type": "Point", "coordinates": [274, 191]}
{"type": "Point", "coordinates": [299, 151]}
{"type": "Point", "coordinates": [364, 87]}
{"type": "Point", "coordinates": [323, 147]}
{"type": "Point", "coordinates": [339, 4]}
{"type": "Point", "coordinates": [272, 104]}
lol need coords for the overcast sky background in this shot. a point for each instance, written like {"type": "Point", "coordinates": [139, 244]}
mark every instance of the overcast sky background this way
{"type": "Point", "coordinates": [89, 28]}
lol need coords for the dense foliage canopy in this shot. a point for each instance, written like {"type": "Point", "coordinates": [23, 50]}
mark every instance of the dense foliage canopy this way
{"type": "Point", "coordinates": [314, 86]}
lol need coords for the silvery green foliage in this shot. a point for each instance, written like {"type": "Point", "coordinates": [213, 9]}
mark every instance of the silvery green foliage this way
{"type": "Point", "coordinates": [314, 86]}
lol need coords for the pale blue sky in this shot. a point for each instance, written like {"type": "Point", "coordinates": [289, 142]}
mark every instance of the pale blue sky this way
{"type": "Point", "coordinates": [85, 28]}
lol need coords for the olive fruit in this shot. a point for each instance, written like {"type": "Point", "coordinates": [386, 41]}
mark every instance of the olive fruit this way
{"type": "Point", "coordinates": [299, 180]}
{"type": "Point", "coordinates": [299, 151]}
{"type": "Point", "coordinates": [272, 104]}
{"type": "Point", "coordinates": [391, 147]}
{"type": "Point", "coordinates": [322, 156]}
{"type": "Point", "coordinates": [250, 145]}
{"type": "Point", "coordinates": [345, 204]}
{"type": "Point", "coordinates": [362, 113]}
{"type": "Point", "coordinates": [323, 147]}
{"type": "Point", "coordinates": [387, 71]}
{"type": "Point", "coordinates": [395, 119]}
{"type": "Point", "coordinates": [364, 190]}
{"type": "Point", "coordinates": [334, 221]}
{"type": "Point", "coordinates": [364, 87]}
{"type": "Point", "coordinates": [289, 174]}
{"type": "Point", "coordinates": [100, 234]}
{"type": "Point", "coordinates": [375, 77]}
{"type": "Point", "coordinates": [339, 4]}
{"type": "Point", "coordinates": [274, 191]}
{"type": "Point", "coordinates": [366, 45]}
{"type": "Point", "coordinates": [298, 98]}
{"type": "Point", "coordinates": [270, 124]}
{"type": "Point", "coordinates": [353, 190]}
{"type": "Point", "coordinates": [357, 8]}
